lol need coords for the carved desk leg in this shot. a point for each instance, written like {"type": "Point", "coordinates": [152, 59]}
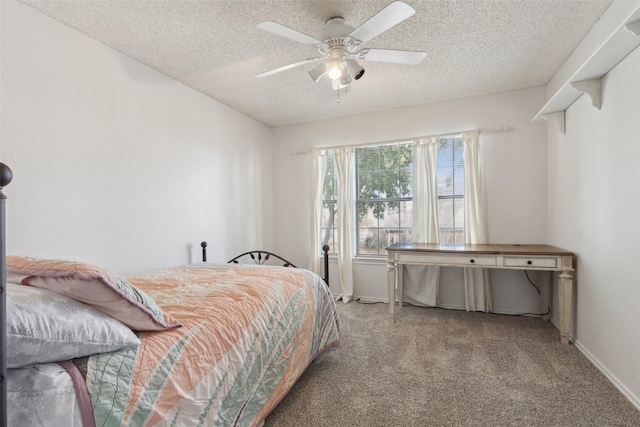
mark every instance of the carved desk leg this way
{"type": "Point", "coordinates": [391, 281]}
{"type": "Point", "coordinates": [545, 293]}
{"type": "Point", "coordinates": [565, 292]}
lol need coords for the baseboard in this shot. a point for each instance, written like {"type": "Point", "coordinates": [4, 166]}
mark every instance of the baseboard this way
{"type": "Point", "coordinates": [635, 401]}
{"type": "Point", "coordinates": [367, 299]}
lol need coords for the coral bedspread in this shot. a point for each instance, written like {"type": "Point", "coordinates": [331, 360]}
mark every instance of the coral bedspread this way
{"type": "Point", "coordinates": [248, 334]}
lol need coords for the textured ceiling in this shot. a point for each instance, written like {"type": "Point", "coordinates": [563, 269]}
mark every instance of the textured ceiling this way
{"type": "Point", "coordinates": [474, 47]}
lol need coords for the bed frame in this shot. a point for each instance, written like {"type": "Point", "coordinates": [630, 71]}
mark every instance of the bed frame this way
{"type": "Point", "coordinates": [5, 178]}
{"type": "Point", "coordinates": [260, 257]}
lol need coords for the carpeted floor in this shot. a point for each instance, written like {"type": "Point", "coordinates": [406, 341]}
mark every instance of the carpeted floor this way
{"type": "Point", "coordinates": [437, 367]}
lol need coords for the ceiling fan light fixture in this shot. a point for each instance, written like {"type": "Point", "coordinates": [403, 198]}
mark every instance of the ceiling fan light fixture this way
{"type": "Point", "coordinates": [335, 73]}
{"type": "Point", "coordinates": [355, 69]}
{"type": "Point", "coordinates": [335, 69]}
{"type": "Point", "coordinates": [318, 72]}
{"type": "Point", "coordinates": [345, 79]}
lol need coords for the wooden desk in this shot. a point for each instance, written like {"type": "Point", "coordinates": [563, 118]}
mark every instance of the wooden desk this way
{"type": "Point", "coordinates": [510, 257]}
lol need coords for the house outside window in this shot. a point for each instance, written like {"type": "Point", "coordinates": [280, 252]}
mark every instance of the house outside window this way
{"type": "Point", "coordinates": [384, 196]}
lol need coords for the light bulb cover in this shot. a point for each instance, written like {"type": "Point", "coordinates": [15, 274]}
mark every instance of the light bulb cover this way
{"type": "Point", "coordinates": [355, 69]}
{"type": "Point", "coordinates": [335, 73]}
{"type": "Point", "coordinates": [319, 72]}
{"type": "Point", "coordinates": [335, 69]}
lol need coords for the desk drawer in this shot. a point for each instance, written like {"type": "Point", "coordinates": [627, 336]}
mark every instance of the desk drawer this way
{"type": "Point", "coordinates": [447, 259]}
{"type": "Point", "coordinates": [532, 262]}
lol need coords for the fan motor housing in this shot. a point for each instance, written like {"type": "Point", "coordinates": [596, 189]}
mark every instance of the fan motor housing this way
{"type": "Point", "coordinates": [335, 28]}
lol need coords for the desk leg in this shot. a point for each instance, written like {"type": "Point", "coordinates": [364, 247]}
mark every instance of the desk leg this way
{"type": "Point", "coordinates": [400, 284]}
{"type": "Point", "coordinates": [545, 294]}
{"type": "Point", "coordinates": [565, 294]}
{"type": "Point", "coordinates": [391, 282]}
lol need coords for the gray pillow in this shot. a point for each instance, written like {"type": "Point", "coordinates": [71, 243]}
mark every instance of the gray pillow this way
{"type": "Point", "coordinates": [44, 326]}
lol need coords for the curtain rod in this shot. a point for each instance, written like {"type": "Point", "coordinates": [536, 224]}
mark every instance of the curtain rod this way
{"type": "Point", "coordinates": [395, 141]}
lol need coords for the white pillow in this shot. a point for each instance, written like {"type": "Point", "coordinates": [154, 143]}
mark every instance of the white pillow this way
{"type": "Point", "coordinates": [44, 326]}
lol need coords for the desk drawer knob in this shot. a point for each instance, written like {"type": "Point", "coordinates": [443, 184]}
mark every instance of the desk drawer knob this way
{"type": "Point", "coordinates": [529, 262]}
{"type": "Point", "coordinates": [472, 261]}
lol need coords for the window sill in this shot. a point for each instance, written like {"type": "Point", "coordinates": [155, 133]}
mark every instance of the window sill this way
{"type": "Point", "coordinates": [371, 260]}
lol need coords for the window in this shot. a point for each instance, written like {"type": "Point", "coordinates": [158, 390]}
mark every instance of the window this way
{"type": "Point", "coordinates": [384, 196]}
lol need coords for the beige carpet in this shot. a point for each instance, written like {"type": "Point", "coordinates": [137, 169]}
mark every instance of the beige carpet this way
{"type": "Point", "coordinates": [437, 367]}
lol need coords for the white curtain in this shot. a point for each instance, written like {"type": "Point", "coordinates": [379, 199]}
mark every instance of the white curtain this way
{"type": "Point", "coordinates": [346, 200]}
{"type": "Point", "coordinates": [318, 171]}
{"type": "Point", "coordinates": [421, 283]}
{"type": "Point", "coordinates": [476, 280]}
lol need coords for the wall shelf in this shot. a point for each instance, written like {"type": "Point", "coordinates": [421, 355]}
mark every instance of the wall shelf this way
{"type": "Point", "coordinates": [587, 77]}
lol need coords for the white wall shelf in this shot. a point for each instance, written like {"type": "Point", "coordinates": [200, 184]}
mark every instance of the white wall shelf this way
{"type": "Point", "coordinates": [587, 76]}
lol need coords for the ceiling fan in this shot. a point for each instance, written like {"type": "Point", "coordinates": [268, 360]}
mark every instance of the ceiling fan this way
{"type": "Point", "coordinates": [339, 46]}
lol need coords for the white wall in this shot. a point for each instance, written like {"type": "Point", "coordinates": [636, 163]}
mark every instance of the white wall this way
{"type": "Point", "coordinates": [594, 211]}
{"type": "Point", "coordinates": [117, 164]}
{"type": "Point", "coordinates": [514, 168]}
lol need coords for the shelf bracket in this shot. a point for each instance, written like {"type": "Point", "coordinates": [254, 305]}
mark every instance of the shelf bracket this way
{"type": "Point", "coordinates": [557, 118]}
{"type": "Point", "coordinates": [634, 27]}
{"type": "Point", "coordinates": [593, 88]}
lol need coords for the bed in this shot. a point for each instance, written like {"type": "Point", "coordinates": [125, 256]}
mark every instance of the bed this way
{"type": "Point", "coordinates": [196, 345]}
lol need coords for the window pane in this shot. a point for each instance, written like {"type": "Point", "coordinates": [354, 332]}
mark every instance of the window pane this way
{"type": "Point", "coordinates": [368, 185]}
{"type": "Point", "coordinates": [445, 220]}
{"type": "Point", "coordinates": [459, 176]}
{"type": "Point", "coordinates": [330, 179]}
{"type": "Point", "coordinates": [366, 217]}
{"type": "Point", "coordinates": [405, 179]}
{"type": "Point", "coordinates": [329, 187]}
{"type": "Point", "coordinates": [459, 212]}
{"type": "Point", "coordinates": [445, 171]}
{"type": "Point", "coordinates": [329, 214]}
{"type": "Point", "coordinates": [405, 214]}
{"type": "Point", "coordinates": [367, 159]}
{"type": "Point", "coordinates": [329, 225]}
{"type": "Point", "coordinates": [368, 241]}
{"type": "Point", "coordinates": [388, 157]}
{"type": "Point", "coordinates": [389, 185]}
{"type": "Point", "coordinates": [391, 215]}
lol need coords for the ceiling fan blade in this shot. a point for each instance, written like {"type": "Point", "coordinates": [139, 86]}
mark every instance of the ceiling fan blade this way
{"type": "Point", "coordinates": [281, 30]}
{"type": "Point", "coordinates": [391, 15]}
{"type": "Point", "coordinates": [395, 56]}
{"type": "Point", "coordinates": [287, 67]}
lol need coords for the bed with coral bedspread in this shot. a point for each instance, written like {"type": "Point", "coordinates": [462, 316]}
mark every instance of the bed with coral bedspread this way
{"type": "Point", "coordinates": [219, 345]}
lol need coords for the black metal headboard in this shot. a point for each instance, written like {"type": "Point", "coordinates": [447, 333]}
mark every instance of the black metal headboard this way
{"type": "Point", "coordinates": [5, 178]}
{"type": "Point", "coordinates": [259, 257]}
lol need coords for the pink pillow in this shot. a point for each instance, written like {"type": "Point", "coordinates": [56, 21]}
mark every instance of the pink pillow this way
{"type": "Point", "coordinates": [95, 286]}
